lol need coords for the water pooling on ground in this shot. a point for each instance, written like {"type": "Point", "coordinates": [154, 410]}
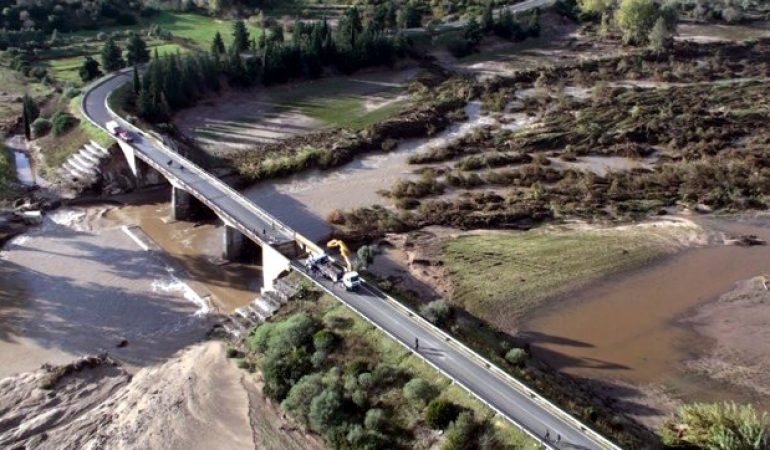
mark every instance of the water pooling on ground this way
{"type": "Point", "coordinates": [629, 329]}
{"type": "Point", "coordinates": [24, 171]}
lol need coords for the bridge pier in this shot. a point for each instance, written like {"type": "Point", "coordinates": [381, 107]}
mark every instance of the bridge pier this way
{"type": "Point", "coordinates": [181, 204]}
{"type": "Point", "coordinates": [235, 245]}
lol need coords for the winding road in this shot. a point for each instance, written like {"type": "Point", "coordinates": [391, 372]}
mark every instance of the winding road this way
{"type": "Point", "coordinates": [554, 428]}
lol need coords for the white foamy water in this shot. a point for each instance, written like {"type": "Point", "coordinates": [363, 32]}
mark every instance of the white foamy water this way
{"type": "Point", "coordinates": [176, 286]}
{"type": "Point", "coordinates": [70, 218]}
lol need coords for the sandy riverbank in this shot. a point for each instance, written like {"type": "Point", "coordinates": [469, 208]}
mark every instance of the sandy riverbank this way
{"type": "Point", "coordinates": [197, 400]}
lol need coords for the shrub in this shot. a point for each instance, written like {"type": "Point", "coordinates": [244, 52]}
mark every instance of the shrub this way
{"type": "Point", "coordinates": [437, 312]}
{"type": "Point", "coordinates": [296, 331]}
{"type": "Point", "coordinates": [71, 92]}
{"type": "Point", "coordinates": [325, 410]}
{"type": "Point", "coordinates": [40, 127]}
{"type": "Point", "coordinates": [459, 47]}
{"type": "Point", "coordinates": [357, 366]}
{"type": "Point", "coordinates": [282, 370]}
{"type": "Point", "coordinates": [516, 356]}
{"type": "Point", "coordinates": [232, 352]}
{"type": "Point", "coordinates": [440, 413]}
{"type": "Point", "coordinates": [717, 426]}
{"type": "Point", "coordinates": [461, 433]}
{"type": "Point", "coordinates": [324, 341]}
{"type": "Point", "coordinates": [296, 403]}
{"type": "Point", "coordinates": [419, 392]}
{"type": "Point", "coordinates": [61, 122]}
{"type": "Point", "coordinates": [317, 359]}
{"type": "Point", "coordinates": [375, 419]}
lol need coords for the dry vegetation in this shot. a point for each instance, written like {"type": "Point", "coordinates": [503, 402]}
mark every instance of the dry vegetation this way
{"type": "Point", "coordinates": [700, 111]}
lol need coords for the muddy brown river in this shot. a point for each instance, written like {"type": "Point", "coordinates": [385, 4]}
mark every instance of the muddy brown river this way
{"type": "Point", "coordinates": [628, 328]}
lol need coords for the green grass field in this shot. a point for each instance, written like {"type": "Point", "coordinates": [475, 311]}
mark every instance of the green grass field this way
{"type": "Point", "coordinates": [500, 277]}
{"type": "Point", "coordinates": [65, 70]}
{"type": "Point", "coordinates": [341, 102]}
{"type": "Point", "coordinates": [197, 29]}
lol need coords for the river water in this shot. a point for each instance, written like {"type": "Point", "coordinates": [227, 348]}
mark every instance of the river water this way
{"type": "Point", "coordinates": [303, 201]}
{"type": "Point", "coordinates": [628, 328]}
{"type": "Point", "coordinates": [79, 284]}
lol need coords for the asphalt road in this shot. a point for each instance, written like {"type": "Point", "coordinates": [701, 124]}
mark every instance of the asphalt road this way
{"type": "Point", "coordinates": [521, 7]}
{"type": "Point", "coordinates": [242, 212]}
{"type": "Point", "coordinates": [516, 404]}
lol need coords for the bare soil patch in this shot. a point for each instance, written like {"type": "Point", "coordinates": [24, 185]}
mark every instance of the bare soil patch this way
{"type": "Point", "coordinates": [198, 400]}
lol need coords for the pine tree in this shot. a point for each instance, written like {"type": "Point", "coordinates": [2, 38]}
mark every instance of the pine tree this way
{"type": "Point", "coordinates": [217, 45]}
{"type": "Point", "coordinates": [136, 50]}
{"type": "Point", "coordinates": [240, 36]}
{"type": "Point", "coordinates": [112, 59]}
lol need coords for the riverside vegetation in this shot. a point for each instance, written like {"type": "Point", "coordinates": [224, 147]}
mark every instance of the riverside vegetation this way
{"type": "Point", "coordinates": [335, 375]}
{"type": "Point", "coordinates": [697, 112]}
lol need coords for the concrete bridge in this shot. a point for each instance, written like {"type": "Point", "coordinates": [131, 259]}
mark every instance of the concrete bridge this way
{"type": "Point", "coordinates": [281, 246]}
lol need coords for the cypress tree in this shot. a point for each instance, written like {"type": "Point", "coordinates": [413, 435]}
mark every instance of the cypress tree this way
{"type": "Point", "coordinates": [137, 85]}
{"type": "Point", "coordinates": [240, 36]}
{"type": "Point", "coordinates": [217, 45]}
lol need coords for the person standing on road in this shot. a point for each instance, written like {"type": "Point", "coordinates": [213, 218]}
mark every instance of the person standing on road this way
{"type": "Point", "coordinates": [416, 344]}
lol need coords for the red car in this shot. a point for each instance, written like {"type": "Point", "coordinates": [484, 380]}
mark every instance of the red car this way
{"type": "Point", "coordinates": [119, 131]}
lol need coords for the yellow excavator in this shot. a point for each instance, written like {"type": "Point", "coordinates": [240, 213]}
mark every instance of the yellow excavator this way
{"type": "Point", "coordinates": [349, 278]}
{"type": "Point", "coordinates": [344, 251]}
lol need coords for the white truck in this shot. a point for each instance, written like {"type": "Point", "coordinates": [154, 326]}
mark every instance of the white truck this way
{"type": "Point", "coordinates": [118, 131]}
{"type": "Point", "coordinates": [322, 263]}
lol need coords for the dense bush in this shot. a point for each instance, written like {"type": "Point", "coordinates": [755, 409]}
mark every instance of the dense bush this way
{"type": "Point", "coordinates": [295, 332]}
{"type": "Point", "coordinates": [461, 433]}
{"type": "Point", "coordinates": [61, 122]}
{"type": "Point", "coordinates": [325, 410]}
{"type": "Point", "coordinates": [419, 392]}
{"type": "Point", "coordinates": [437, 312]}
{"type": "Point", "coordinates": [717, 426]}
{"type": "Point", "coordinates": [297, 402]}
{"type": "Point", "coordinates": [440, 413]}
{"type": "Point", "coordinates": [516, 356]}
{"type": "Point", "coordinates": [40, 127]}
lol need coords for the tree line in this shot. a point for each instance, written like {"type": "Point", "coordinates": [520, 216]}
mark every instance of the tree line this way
{"type": "Point", "coordinates": [178, 80]}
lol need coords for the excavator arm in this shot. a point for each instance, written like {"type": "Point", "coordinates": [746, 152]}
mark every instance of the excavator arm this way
{"type": "Point", "coordinates": [344, 252]}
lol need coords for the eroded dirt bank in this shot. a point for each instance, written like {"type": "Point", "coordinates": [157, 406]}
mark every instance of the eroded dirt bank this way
{"type": "Point", "coordinates": [198, 400]}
